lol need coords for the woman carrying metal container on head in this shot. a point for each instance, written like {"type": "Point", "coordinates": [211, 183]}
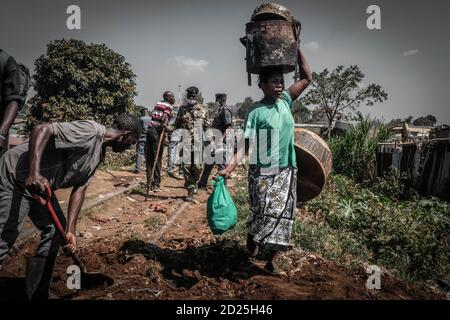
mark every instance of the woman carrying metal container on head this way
{"type": "Point", "coordinates": [272, 188]}
{"type": "Point", "coordinates": [272, 184]}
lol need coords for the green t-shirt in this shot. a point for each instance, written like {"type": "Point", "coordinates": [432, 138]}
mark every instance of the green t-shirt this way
{"type": "Point", "coordinates": [270, 129]}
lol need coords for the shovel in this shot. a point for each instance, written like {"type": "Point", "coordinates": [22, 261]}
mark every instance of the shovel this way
{"type": "Point", "coordinates": [151, 177]}
{"type": "Point", "coordinates": [89, 280]}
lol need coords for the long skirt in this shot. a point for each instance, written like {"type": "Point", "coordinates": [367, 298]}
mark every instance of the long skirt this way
{"type": "Point", "coordinates": [273, 199]}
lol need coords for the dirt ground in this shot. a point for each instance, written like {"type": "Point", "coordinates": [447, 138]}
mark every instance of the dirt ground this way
{"type": "Point", "coordinates": [173, 255]}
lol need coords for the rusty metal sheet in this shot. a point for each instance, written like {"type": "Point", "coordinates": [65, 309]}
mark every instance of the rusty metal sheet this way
{"type": "Point", "coordinates": [271, 43]}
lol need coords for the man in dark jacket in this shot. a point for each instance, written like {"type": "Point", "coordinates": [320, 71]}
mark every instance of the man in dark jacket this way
{"type": "Point", "coordinates": [10, 99]}
{"type": "Point", "coordinates": [140, 145]}
{"type": "Point", "coordinates": [223, 120]}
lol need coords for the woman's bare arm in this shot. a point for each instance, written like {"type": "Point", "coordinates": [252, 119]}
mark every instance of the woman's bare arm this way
{"type": "Point", "coordinates": [305, 77]}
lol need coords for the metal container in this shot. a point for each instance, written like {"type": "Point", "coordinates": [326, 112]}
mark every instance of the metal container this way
{"type": "Point", "coordinates": [271, 11]}
{"type": "Point", "coordinates": [314, 163]}
{"type": "Point", "coordinates": [271, 43]}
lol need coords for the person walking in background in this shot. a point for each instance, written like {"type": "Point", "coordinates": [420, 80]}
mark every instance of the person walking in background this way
{"type": "Point", "coordinates": [223, 120]}
{"type": "Point", "coordinates": [140, 145]}
{"type": "Point", "coordinates": [161, 115]}
{"type": "Point", "coordinates": [192, 117]}
{"type": "Point", "coordinates": [172, 157]}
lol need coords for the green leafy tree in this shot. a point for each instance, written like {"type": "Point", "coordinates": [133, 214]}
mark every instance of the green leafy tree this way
{"type": "Point", "coordinates": [339, 94]}
{"type": "Point", "coordinates": [409, 120]}
{"type": "Point", "coordinates": [300, 113]}
{"type": "Point", "coordinates": [428, 121]}
{"type": "Point", "coordinates": [76, 81]}
{"type": "Point", "coordinates": [399, 122]}
{"type": "Point", "coordinates": [244, 107]}
{"type": "Point", "coordinates": [212, 108]}
{"type": "Point", "coordinates": [318, 116]}
{"type": "Point", "coordinates": [354, 152]}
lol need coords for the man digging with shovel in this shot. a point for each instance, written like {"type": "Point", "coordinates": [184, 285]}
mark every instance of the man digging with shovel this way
{"type": "Point", "coordinates": [58, 156]}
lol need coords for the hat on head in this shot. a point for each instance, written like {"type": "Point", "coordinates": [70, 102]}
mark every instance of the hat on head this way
{"type": "Point", "coordinates": [221, 95]}
{"type": "Point", "coordinates": [192, 90]}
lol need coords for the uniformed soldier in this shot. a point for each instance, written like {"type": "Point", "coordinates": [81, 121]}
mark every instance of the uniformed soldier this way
{"type": "Point", "coordinates": [193, 117]}
{"type": "Point", "coordinates": [223, 120]}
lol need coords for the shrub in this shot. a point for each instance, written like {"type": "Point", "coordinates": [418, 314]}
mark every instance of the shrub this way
{"type": "Point", "coordinates": [240, 198]}
{"type": "Point", "coordinates": [117, 161]}
{"type": "Point", "coordinates": [354, 152]}
{"type": "Point", "coordinates": [79, 81]}
{"type": "Point", "coordinates": [394, 185]}
{"type": "Point", "coordinates": [412, 237]}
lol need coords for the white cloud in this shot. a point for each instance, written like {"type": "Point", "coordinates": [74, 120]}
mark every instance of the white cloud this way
{"type": "Point", "coordinates": [189, 65]}
{"type": "Point", "coordinates": [313, 45]}
{"type": "Point", "coordinates": [410, 53]}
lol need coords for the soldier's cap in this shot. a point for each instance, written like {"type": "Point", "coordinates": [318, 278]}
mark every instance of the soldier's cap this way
{"type": "Point", "coordinates": [192, 90]}
{"type": "Point", "coordinates": [221, 95]}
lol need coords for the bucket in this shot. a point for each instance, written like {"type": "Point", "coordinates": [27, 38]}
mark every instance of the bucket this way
{"type": "Point", "coordinates": [314, 163]}
{"type": "Point", "coordinates": [271, 43]}
{"type": "Point", "coordinates": [271, 11]}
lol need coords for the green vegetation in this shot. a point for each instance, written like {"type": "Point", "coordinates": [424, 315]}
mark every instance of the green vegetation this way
{"type": "Point", "coordinates": [154, 222]}
{"type": "Point", "coordinates": [354, 152]}
{"type": "Point", "coordinates": [300, 113]}
{"type": "Point", "coordinates": [240, 198]}
{"type": "Point", "coordinates": [117, 161]}
{"type": "Point", "coordinates": [244, 107]}
{"type": "Point", "coordinates": [151, 271]}
{"type": "Point", "coordinates": [338, 94]}
{"type": "Point", "coordinates": [352, 224]}
{"type": "Point", "coordinates": [93, 211]}
{"type": "Point", "coordinates": [349, 221]}
{"type": "Point", "coordinates": [75, 80]}
{"type": "Point", "coordinates": [135, 238]}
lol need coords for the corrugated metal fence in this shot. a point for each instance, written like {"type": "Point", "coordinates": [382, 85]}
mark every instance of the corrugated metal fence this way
{"type": "Point", "coordinates": [427, 165]}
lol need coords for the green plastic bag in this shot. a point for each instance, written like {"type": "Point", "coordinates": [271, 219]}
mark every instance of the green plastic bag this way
{"type": "Point", "coordinates": [222, 213]}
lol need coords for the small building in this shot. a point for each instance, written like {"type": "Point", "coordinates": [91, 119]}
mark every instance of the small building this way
{"type": "Point", "coordinates": [409, 133]}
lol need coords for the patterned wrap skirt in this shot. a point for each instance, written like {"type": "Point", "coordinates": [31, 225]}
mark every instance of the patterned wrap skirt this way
{"type": "Point", "coordinates": [273, 199]}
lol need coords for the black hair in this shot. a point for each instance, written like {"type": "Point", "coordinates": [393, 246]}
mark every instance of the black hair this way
{"type": "Point", "coordinates": [192, 90]}
{"type": "Point", "coordinates": [221, 95]}
{"type": "Point", "coordinates": [143, 110]}
{"type": "Point", "coordinates": [166, 94]}
{"type": "Point", "coordinates": [267, 72]}
{"type": "Point", "coordinates": [128, 122]}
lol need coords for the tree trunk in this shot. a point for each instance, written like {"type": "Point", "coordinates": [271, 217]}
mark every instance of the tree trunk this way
{"type": "Point", "coordinates": [330, 125]}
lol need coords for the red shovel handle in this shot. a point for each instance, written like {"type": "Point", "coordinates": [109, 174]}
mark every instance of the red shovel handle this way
{"type": "Point", "coordinates": [55, 218]}
{"type": "Point", "coordinates": [58, 224]}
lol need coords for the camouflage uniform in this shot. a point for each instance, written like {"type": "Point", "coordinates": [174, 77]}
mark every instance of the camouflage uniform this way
{"type": "Point", "coordinates": [186, 119]}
